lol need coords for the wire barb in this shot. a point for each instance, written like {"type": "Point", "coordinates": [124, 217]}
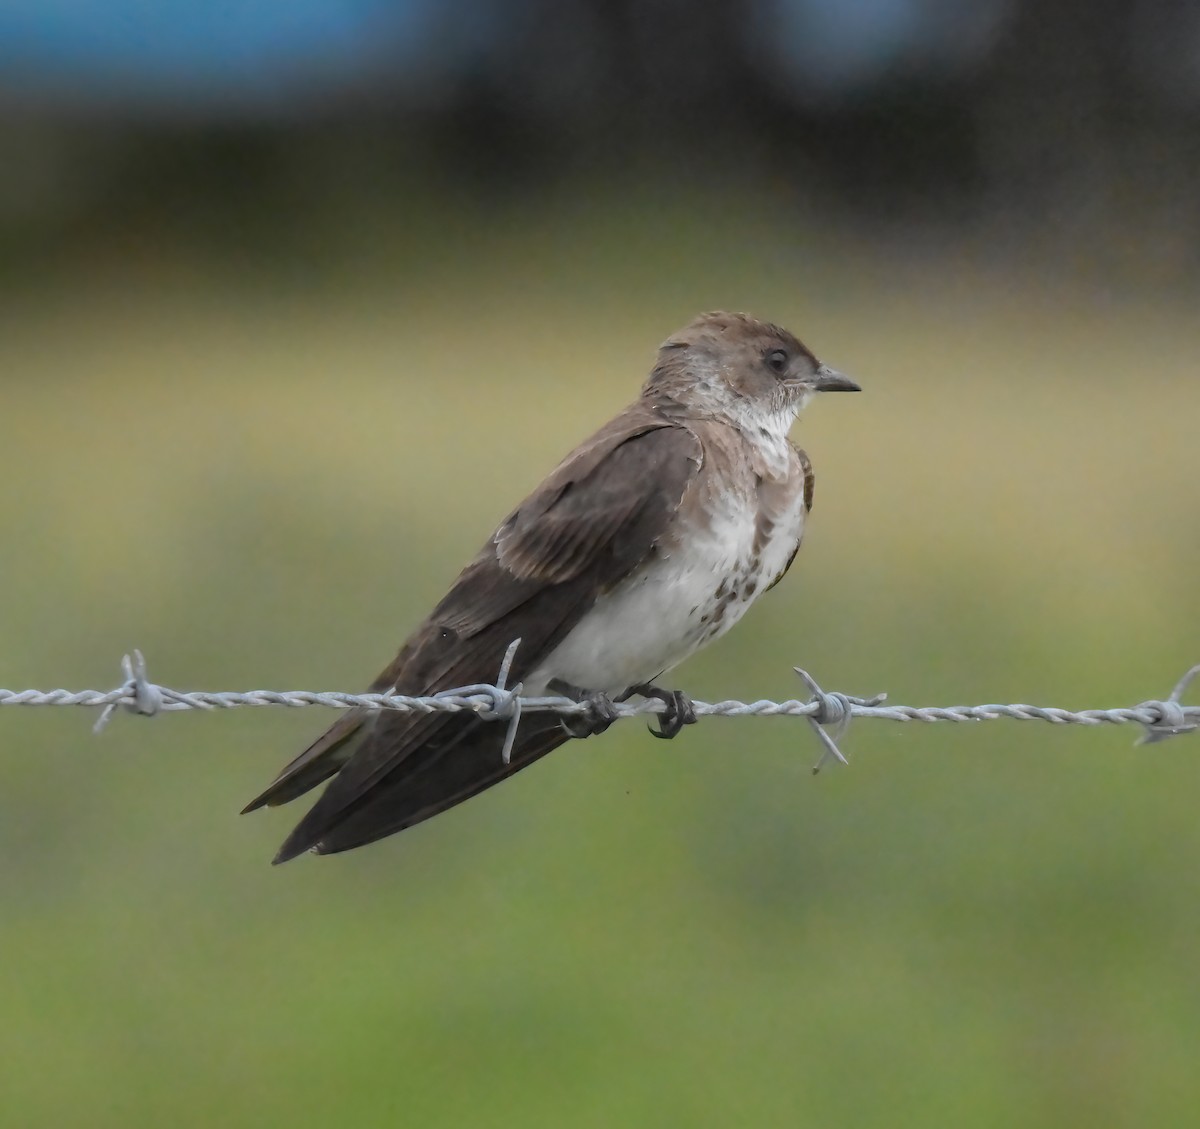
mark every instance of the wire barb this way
{"type": "Point", "coordinates": [835, 710]}
{"type": "Point", "coordinates": [511, 707]}
{"type": "Point", "coordinates": [1173, 719]}
{"type": "Point", "coordinates": [138, 694]}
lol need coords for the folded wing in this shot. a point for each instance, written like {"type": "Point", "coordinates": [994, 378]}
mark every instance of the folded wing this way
{"type": "Point", "coordinates": [597, 517]}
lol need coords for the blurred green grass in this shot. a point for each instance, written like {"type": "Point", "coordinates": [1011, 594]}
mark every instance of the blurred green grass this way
{"type": "Point", "coordinates": [266, 480]}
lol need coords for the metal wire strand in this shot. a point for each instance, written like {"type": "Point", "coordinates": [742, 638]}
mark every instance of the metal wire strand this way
{"type": "Point", "coordinates": [828, 713]}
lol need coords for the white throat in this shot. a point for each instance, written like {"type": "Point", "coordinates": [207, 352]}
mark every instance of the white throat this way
{"type": "Point", "coordinates": [768, 426]}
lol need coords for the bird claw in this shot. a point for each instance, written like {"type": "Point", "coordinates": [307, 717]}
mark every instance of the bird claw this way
{"type": "Point", "coordinates": [679, 711]}
{"type": "Point", "coordinates": [597, 715]}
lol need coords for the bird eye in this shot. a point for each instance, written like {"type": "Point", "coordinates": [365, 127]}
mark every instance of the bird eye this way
{"type": "Point", "coordinates": [777, 361]}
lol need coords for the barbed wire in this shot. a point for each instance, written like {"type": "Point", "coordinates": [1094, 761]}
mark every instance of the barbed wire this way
{"type": "Point", "coordinates": [828, 712]}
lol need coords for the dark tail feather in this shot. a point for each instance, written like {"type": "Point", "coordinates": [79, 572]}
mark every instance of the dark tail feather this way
{"type": "Point", "coordinates": [316, 764]}
{"type": "Point", "coordinates": [424, 784]}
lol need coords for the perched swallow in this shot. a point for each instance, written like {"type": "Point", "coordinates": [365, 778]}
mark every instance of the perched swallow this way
{"type": "Point", "coordinates": [647, 542]}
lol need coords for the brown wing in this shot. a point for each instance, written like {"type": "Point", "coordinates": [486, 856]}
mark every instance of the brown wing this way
{"type": "Point", "coordinates": [590, 524]}
{"type": "Point", "coordinates": [446, 772]}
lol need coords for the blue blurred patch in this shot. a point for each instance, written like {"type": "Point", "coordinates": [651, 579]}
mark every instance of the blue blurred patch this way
{"type": "Point", "coordinates": [190, 48]}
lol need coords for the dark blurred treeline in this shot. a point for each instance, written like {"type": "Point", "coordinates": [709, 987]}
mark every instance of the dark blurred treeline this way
{"type": "Point", "coordinates": [1069, 120]}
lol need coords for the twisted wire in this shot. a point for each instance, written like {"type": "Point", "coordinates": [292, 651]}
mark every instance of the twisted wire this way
{"type": "Point", "coordinates": [825, 711]}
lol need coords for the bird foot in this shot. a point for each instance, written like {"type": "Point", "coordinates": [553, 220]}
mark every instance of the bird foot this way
{"type": "Point", "coordinates": [598, 715]}
{"type": "Point", "coordinates": [679, 711]}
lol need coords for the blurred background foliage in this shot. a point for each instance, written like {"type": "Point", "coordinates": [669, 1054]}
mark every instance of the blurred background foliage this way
{"type": "Point", "coordinates": [299, 298]}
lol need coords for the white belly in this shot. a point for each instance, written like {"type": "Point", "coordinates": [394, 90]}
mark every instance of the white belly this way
{"type": "Point", "coordinates": [673, 606]}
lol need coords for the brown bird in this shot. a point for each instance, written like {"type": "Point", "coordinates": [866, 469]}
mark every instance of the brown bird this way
{"type": "Point", "coordinates": [647, 542]}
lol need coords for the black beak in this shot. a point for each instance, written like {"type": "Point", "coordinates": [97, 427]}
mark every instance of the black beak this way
{"type": "Point", "coordinates": [830, 380]}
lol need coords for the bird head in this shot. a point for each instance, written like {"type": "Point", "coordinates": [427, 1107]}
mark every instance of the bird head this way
{"type": "Point", "coordinates": [747, 372]}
